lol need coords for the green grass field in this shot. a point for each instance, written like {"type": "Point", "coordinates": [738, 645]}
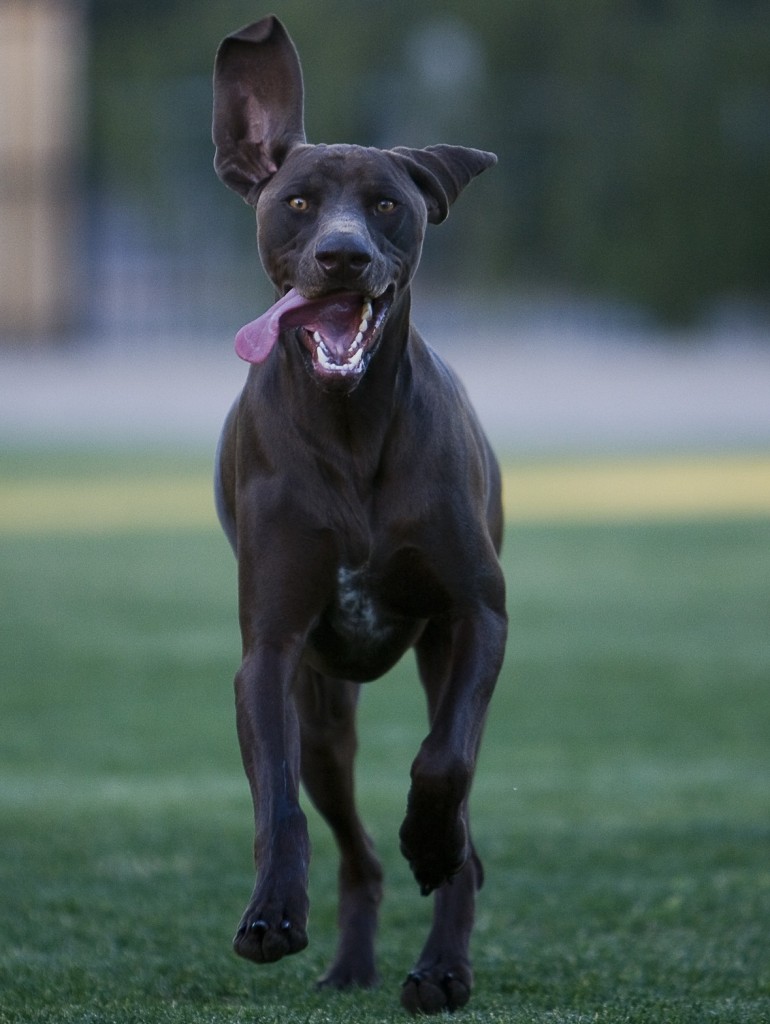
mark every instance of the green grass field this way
{"type": "Point", "coordinates": [622, 804]}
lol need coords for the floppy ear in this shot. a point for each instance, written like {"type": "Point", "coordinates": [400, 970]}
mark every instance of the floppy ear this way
{"type": "Point", "coordinates": [257, 105]}
{"type": "Point", "coordinates": [442, 172]}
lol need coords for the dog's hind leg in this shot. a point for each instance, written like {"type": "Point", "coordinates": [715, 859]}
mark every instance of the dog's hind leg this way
{"type": "Point", "coordinates": [327, 709]}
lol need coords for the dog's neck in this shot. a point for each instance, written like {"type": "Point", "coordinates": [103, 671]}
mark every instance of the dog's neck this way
{"type": "Point", "coordinates": [361, 416]}
{"type": "Point", "coordinates": [347, 436]}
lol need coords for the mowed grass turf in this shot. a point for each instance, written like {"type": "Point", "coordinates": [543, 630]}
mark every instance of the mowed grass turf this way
{"type": "Point", "coordinates": [622, 804]}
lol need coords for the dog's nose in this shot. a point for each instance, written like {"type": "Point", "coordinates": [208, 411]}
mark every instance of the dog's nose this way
{"type": "Point", "coordinates": [343, 254]}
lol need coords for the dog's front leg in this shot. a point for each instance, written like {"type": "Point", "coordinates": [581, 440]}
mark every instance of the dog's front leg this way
{"type": "Point", "coordinates": [459, 665]}
{"type": "Point", "coordinates": [274, 923]}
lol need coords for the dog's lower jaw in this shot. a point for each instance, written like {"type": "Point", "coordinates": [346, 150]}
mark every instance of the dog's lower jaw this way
{"type": "Point", "coordinates": [330, 374]}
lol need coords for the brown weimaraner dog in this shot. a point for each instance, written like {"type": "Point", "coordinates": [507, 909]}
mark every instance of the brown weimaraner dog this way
{"type": "Point", "coordinates": [363, 504]}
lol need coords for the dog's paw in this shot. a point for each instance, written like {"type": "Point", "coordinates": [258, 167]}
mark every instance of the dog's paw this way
{"type": "Point", "coordinates": [265, 937]}
{"type": "Point", "coordinates": [436, 989]}
{"type": "Point", "coordinates": [435, 849]}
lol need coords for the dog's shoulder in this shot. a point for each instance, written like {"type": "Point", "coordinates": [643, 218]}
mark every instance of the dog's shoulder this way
{"type": "Point", "coordinates": [439, 381]}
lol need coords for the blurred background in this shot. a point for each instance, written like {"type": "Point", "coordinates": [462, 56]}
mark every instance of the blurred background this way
{"type": "Point", "coordinates": [619, 251]}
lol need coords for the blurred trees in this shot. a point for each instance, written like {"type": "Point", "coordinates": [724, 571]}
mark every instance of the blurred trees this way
{"type": "Point", "coordinates": [633, 135]}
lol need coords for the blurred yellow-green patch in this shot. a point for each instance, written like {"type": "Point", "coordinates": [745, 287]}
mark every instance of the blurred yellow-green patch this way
{"type": "Point", "coordinates": [92, 505]}
{"type": "Point", "coordinates": [602, 490]}
{"type": "Point", "coordinates": [662, 488]}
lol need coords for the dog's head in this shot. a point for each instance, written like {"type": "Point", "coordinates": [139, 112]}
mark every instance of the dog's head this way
{"type": "Point", "coordinates": [340, 227]}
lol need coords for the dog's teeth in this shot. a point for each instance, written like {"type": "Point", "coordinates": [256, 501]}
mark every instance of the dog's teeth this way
{"type": "Point", "coordinates": [350, 365]}
{"type": "Point", "coordinates": [357, 340]}
{"type": "Point", "coordinates": [366, 316]}
{"type": "Point", "coordinates": [322, 353]}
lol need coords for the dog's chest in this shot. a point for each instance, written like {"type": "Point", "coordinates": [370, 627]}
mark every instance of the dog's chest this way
{"type": "Point", "coordinates": [356, 612]}
{"type": "Point", "coordinates": [358, 636]}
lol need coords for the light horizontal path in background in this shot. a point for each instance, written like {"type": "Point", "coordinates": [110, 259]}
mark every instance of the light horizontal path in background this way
{"type": "Point", "coordinates": [606, 490]}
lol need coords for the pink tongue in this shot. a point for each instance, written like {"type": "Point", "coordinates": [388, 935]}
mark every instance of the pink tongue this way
{"type": "Point", "coordinates": [335, 317]}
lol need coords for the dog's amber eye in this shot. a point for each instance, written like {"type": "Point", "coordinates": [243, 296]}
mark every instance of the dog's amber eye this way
{"type": "Point", "coordinates": [299, 204]}
{"type": "Point", "coordinates": [385, 206]}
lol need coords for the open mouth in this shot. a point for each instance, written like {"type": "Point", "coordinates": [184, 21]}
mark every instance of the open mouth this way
{"type": "Point", "coordinates": [342, 332]}
{"type": "Point", "coordinates": [339, 331]}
